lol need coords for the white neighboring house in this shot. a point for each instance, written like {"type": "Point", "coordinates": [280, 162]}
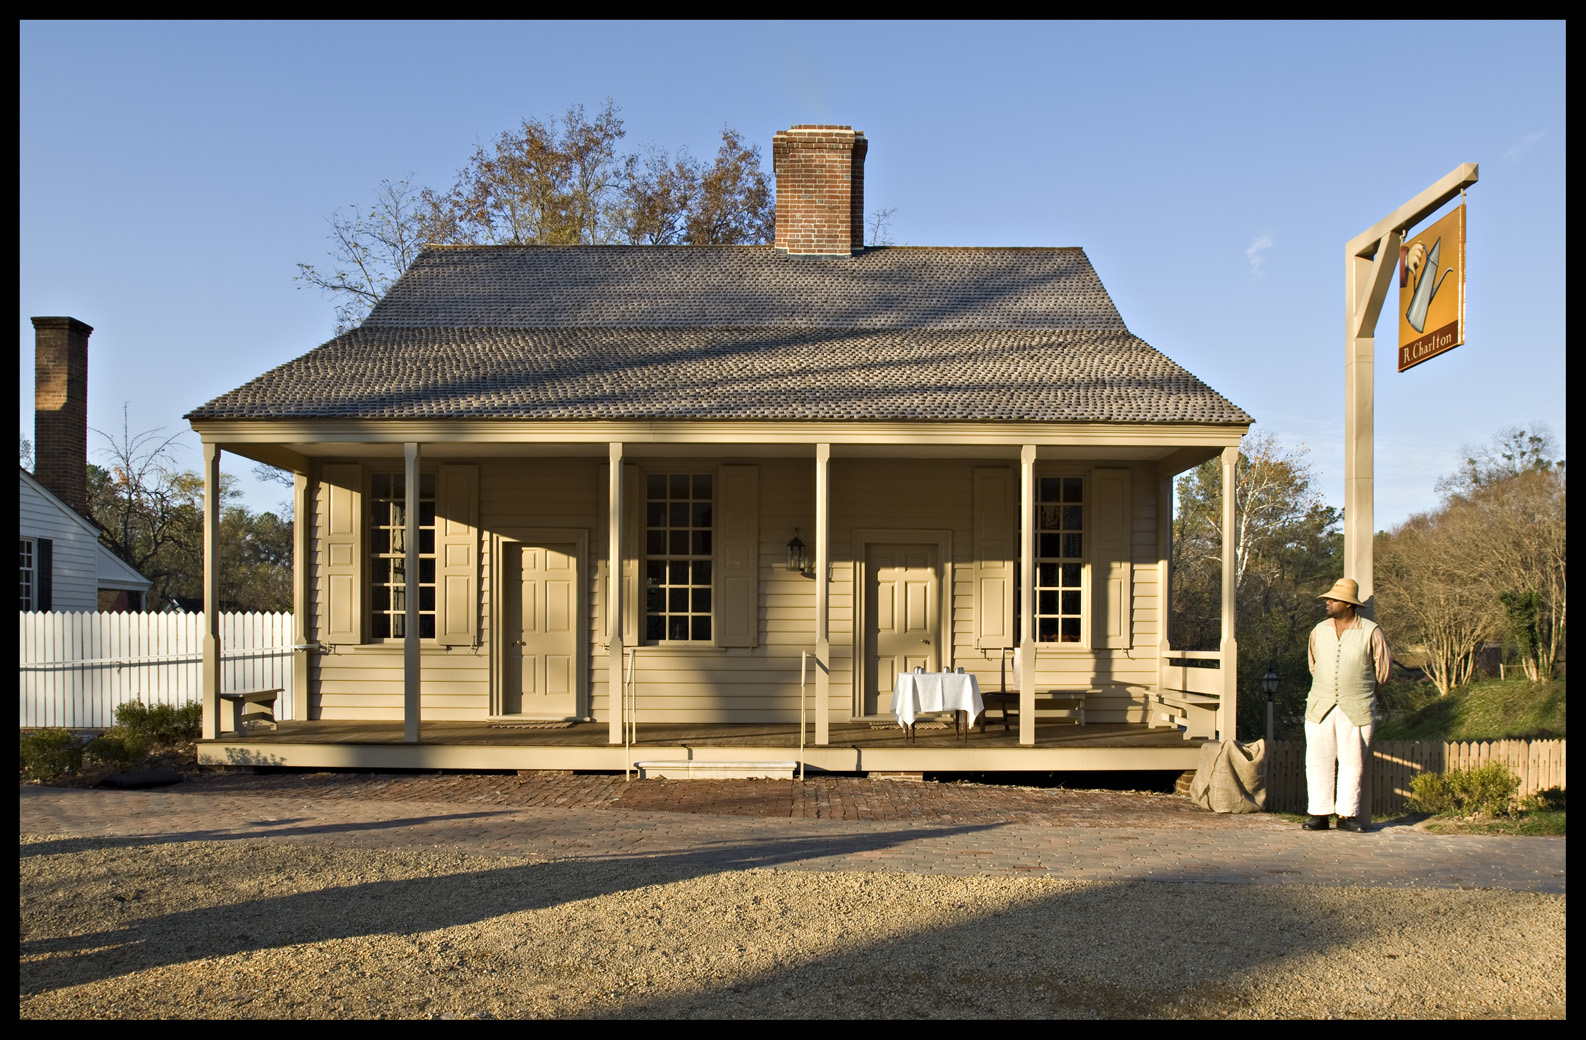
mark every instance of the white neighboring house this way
{"type": "Point", "coordinates": [64, 566]}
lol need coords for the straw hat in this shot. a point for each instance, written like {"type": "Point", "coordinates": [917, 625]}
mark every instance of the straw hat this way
{"type": "Point", "coordinates": [1345, 590]}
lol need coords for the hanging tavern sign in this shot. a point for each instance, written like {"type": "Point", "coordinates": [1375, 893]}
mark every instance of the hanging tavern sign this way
{"type": "Point", "coordinates": [1432, 291]}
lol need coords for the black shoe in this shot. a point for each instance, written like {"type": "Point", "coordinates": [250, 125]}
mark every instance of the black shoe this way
{"type": "Point", "coordinates": [1349, 823]}
{"type": "Point", "coordinates": [1317, 823]}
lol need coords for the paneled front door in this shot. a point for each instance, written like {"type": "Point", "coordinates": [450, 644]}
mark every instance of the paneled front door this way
{"type": "Point", "coordinates": [539, 672]}
{"type": "Point", "coordinates": [901, 611]}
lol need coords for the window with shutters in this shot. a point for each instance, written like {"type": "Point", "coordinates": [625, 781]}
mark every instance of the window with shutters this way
{"type": "Point", "coordinates": [387, 530]}
{"type": "Point", "coordinates": [679, 557]}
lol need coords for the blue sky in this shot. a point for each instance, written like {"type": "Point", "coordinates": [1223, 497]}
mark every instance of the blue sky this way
{"type": "Point", "coordinates": [173, 174]}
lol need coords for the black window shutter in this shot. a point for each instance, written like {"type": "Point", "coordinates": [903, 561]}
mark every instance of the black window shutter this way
{"type": "Point", "coordinates": [44, 562]}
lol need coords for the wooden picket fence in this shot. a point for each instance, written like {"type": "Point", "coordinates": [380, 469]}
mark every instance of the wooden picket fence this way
{"type": "Point", "coordinates": [1538, 763]}
{"type": "Point", "coordinates": [78, 667]}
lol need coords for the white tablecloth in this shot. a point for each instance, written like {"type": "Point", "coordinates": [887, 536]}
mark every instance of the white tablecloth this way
{"type": "Point", "coordinates": [918, 692]}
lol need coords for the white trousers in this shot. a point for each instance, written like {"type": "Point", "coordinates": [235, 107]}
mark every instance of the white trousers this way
{"type": "Point", "coordinates": [1335, 742]}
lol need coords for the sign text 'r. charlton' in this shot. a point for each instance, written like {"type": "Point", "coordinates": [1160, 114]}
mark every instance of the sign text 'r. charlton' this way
{"type": "Point", "coordinates": [1429, 346]}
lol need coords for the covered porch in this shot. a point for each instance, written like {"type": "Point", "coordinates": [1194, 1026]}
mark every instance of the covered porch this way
{"type": "Point", "coordinates": [805, 641]}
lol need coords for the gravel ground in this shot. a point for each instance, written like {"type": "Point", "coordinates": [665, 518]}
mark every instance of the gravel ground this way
{"type": "Point", "coordinates": [124, 928]}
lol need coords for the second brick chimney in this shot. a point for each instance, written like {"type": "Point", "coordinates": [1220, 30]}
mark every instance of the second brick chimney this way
{"type": "Point", "coordinates": [60, 408]}
{"type": "Point", "coordinates": [820, 190]}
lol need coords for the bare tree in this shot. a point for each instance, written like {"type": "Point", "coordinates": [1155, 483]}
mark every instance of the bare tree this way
{"type": "Point", "coordinates": [549, 182]}
{"type": "Point", "coordinates": [371, 249]}
{"type": "Point", "coordinates": [881, 226]}
{"type": "Point", "coordinates": [1489, 565]}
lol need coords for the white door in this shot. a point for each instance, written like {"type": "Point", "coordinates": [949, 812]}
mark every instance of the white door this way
{"type": "Point", "coordinates": [540, 667]}
{"type": "Point", "coordinates": [901, 608]}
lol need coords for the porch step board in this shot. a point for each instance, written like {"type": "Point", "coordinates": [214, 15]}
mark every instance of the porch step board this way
{"type": "Point", "coordinates": [716, 770]}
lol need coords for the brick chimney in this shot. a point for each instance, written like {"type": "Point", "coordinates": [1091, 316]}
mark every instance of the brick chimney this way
{"type": "Point", "coordinates": [820, 190]}
{"type": "Point", "coordinates": [60, 408]}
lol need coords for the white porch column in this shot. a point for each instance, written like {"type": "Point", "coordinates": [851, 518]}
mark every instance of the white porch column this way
{"type": "Point", "coordinates": [823, 621]}
{"type": "Point", "coordinates": [614, 690]}
{"type": "Point", "coordinates": [1229, 646]}
{"type": "Point", "coordinates": [211, 644]}
{"type": "Point", "coordinates": [1027, 595]}
{"type": "Point", "coordinates": [302, 550]}
{"type": "Point", "coordinates": [410, 624]}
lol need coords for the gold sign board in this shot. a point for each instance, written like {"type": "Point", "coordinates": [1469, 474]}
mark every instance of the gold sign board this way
{"type": "Point", "coordinates": [1432, 291]}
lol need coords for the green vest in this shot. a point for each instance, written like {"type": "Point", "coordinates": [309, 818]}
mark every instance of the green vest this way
{"type": "Point", "coordinates": [1346, 673]}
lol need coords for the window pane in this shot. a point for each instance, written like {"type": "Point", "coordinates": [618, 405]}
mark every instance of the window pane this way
{"type": "Point", "coordinates": [1050, 489]}
{"type": "Point", "coordinates": [679, 542]}
{"type": "Point", "coordinates": [1048, 545]}
{"type": "Point", "coordinates": [1073, 517]}
{"type": "Point", "coordinates": [1071, 602]}
{"type": "Point", "coordinates": [1046, 603]}
{"type": "Point", "coordinates": [1046, 574]}
{"type": "Point", "coordinates": [1070, 630]}
{"type": "Point", "coordinates": [427, 626]}
{"type": "Point", "coordinates": [1073, 545]}
{"type": "Point", "coordinates": [1071, 572]}
{"type": "Point", "coordinates": [1071, 489]}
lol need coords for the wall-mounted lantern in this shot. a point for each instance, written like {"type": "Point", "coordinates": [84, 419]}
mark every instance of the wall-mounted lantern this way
{"type": "Point", "coordinates": [796, 558]}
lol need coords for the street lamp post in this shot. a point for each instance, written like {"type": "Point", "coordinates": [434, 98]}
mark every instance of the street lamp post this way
{"type": "Point", "coordinates": [1269, 686]}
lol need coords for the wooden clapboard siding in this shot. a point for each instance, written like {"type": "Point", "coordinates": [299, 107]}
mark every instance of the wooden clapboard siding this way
{"type": "Point", "coordinates": [367, 684]}
{"type": "Point", "coordinates": [756, 683]}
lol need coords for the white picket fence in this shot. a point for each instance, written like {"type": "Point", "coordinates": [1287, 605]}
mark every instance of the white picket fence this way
{"type": "Point", "coordinates": [78, 667]}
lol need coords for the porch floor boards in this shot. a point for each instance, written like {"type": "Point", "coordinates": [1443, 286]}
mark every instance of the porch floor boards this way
{"type": "Point", "coordinates": [759, 735]}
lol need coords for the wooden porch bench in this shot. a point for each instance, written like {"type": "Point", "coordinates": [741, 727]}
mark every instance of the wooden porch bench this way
{"type": "Point", "coordinates": [251, 706]}
{"type": "Point", "coordinates": [1062, 704]}
{"type": "Point", "coordinates": [1195, 714]}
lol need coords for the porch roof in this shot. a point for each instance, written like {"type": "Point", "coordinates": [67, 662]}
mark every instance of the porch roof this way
{"type": "Point", "coordinates": [739, 333]}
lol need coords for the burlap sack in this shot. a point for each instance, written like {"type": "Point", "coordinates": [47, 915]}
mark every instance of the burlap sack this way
{"type": "Point", "coordinates": [1230, 777]}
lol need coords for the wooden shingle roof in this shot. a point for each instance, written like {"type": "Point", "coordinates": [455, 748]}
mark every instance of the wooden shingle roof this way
{"type": "Point", "coordinates": [737, 332]}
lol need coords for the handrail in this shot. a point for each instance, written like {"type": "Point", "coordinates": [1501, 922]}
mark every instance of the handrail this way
{"type": "Point", "coordinates": [804, 656]}
{"type": "Point", "coordinates": [1194, 655]}
{"type": "Point", "coordinates": [628, 711]}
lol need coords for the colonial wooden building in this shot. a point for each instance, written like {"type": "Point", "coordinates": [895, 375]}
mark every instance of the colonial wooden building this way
{"type": "Point", "coordinates": [570, 486]}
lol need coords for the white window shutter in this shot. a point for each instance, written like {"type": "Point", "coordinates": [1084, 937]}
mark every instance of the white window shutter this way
{"type": "Point", "coordinates": [457, 553]}
{"type": "Point", "coordinates": [1110, 522]}
{"type": "Point", "coordinates": [736, 608]}
{"type": "Point", "coordinates": [994, 552]}
{"type": "Point", "coordinates": [342, 547]}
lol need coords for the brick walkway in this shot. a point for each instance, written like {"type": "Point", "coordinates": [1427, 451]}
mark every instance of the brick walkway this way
{"type": "Point", "coordinates": [826, 823]}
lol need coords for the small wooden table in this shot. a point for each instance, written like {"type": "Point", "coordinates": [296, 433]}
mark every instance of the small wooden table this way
{"type": "Point", "coordinates": [252, 706]}
{"type": "Point", "coordinates": [918, 692]}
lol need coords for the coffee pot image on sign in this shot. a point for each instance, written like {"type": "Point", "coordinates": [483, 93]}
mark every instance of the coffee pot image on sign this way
{"type": "Point", "coordinates": [1420, 264]}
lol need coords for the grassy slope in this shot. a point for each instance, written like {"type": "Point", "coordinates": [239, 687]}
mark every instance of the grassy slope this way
{"type": "Point", "coordinates": [1489, 709]}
